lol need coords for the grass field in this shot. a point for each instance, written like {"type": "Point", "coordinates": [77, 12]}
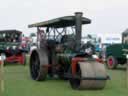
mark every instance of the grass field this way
{"type": "Point", "coordinates": [19, 83]}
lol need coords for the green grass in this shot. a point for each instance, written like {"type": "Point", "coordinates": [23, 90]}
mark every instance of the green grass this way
{"type": "Point", "coordinates": [19, 83]}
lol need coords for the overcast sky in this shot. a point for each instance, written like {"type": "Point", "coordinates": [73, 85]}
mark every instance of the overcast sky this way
{"type": "Point", "coordinates": [108, 16]}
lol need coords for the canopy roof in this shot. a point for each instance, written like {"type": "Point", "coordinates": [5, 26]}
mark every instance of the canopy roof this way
{"type": "Point", "coordinates": [60, 22]}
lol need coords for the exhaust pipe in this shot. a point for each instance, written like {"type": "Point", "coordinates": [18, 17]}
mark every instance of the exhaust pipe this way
{"type": "Point", "coordinates": [78, 28]}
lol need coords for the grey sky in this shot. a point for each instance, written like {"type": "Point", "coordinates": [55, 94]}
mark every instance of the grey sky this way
{"type": "Point", "coordinates": [107, 15]}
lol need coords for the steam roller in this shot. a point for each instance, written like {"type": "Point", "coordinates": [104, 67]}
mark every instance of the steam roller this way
{"type": "Point", "coordinates": [60, 52]}
{"type": "Point", "coordinates": [89, 75]}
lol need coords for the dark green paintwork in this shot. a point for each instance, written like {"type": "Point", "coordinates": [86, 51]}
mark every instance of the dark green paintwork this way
{"type": "Point", "coordinates": [116, 50]}
{"type": "Point", "coordinates": [4, 45]}
{"type": "Point", "coordinates": [7, 37]}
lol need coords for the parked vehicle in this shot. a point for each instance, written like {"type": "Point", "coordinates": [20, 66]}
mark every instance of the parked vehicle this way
{"type": "Point", "coordinates": [10, 46]}
{"type": "Point", "coordinates": [116, 53]}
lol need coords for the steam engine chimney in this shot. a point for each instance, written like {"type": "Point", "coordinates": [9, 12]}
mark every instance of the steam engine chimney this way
{"type": "Point", "coordinates": [78, 28]}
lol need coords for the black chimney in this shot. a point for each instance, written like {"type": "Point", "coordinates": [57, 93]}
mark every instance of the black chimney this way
{"type": "Point", "coordinates": [78, 28]}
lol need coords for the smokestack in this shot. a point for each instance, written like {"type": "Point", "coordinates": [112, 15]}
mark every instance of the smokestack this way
{"type": "Point", "coordinates": [78, 28]}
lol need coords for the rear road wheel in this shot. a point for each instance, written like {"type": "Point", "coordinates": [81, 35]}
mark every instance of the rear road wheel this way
{"type": "Point", "coordinates": [37, 69]}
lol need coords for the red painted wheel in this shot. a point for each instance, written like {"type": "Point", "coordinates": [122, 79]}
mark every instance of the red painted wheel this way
{"type": "Point", "coordinates": [112, 62]}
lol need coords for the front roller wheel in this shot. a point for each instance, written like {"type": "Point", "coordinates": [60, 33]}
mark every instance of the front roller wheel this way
{"type": "Point", "coordinates": [37, 69]}
{"type": "Point", "coordinates": [87, 70]}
